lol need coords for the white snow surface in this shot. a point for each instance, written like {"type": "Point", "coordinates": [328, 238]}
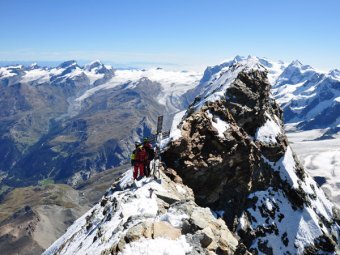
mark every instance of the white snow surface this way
{"type": "Point", "coordinates": [93, 76]}
{"type": "Point", "coordinates": [274, 68]}
{"type": "Point", "coordinates": [175, 131]}
{"type": "Point", "coordinates": [79, 240]}
{"type": "Point", "coordinates": [216, 87]}
{"type": "Point", "coordinates": [218, 124]}
{"type": "Point", "coordinates": [39, 75]}
{"type": "Point", "coordinates": [307, 92]}
{"type": "Point", "coordinates": [286, 167]}
{"type": "Point", "coordinates": [173, 82]}
{"type": "Point", "coordinates": [158, 246]}
{"type": "Point", "coordinates": [320, 158]}
{"type": "Point", "coordinates": [5, 72]}
{"type": "Point", "coordinates": [300, 226]}
{"type": "Point", "coordinates": [269, 131]}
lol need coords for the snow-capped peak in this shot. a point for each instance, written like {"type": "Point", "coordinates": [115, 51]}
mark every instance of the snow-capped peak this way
{"type": "Point", "coordinates": [94, 64]}
{"type": "Point", "coordinates": [213, 86]}
{"type": "Point", "coordinates": [34, 65]}
{"type": "Point", "coordinates": [335, 73]}
{"type": "Point", "coordinates": [296, 63]}
{"type": "Point", "coordinates": [67, 64]}
{"type": "Point", "coordinates": [275, 68]}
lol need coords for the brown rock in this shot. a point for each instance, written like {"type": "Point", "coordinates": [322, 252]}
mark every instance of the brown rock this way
{"type": "Point", "coordinates": [143, 229]}
{"type": "Point", "coordinates": [165, 230]}
{"type": "Point", "coordinates": [208, 237]}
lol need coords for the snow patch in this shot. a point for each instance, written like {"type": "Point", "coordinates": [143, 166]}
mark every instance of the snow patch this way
{"type": "Point", "coordinates": [175, 131]}
{"type": "Point", "coordinates": [218, 124]}
{"type": "Point", "coordinates": [268, 132]}
{"type": "Point", "coordinates": [286, 166]}
{"type": "Point", "coordinates": [6, 72]}
{"type": "Point", "coordinates": [174, 218]}
{"type": "Point", "coordinates": [40, 75]}
{"type": "Point", "coordinates": [157, 247]}
{"type": "Point", "coordinates": [299, 225]}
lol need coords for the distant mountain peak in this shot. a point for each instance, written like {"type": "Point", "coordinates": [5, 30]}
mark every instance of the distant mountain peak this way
{"type": "Point", "coordinates": [34, 65]}
{"type": "Point", "coordinates": [335, 73]}
{"type": "Point", "coordinates": [94, 64]}
{"type": "Point", "coordinates": [68, 64]}
{"type": "Point", "coordinates": [238, 58]}
{"type": "Point", "coordinates": [296, 63]}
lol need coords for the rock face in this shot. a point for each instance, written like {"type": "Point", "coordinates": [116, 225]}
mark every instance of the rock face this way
{"type": "Point", "coordinates": [158, 216]}
{"type": "Point", "coordinates": [234, 154]}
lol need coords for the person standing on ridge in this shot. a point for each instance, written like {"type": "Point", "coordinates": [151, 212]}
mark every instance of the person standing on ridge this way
{"type": "Point", "coordinates": [133, 154]}
{"type": "Point", "coordinates": [151, 155]}
{"type": "Point", "coordinates": [139, 161]}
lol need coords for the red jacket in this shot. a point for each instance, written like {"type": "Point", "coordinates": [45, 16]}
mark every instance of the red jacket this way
{"type": "Point", "coordinates": [141, 155]}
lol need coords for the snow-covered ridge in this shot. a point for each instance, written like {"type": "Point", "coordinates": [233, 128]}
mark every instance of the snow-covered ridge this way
{"type": "Point", "coordinates": [173, 82]}
{"type": "Point", "coordinates": [66, 70]}
{"type": "Point", "coordinates": [108, 220]}
{"type": "Point", "coordinates": [215, 87]}
{"type": "Point", "coordinates": [96, 77]}
{"type": "Point", "coordinates": [145, 217]}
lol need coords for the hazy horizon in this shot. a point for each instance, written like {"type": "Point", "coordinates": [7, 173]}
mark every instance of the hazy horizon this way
{"type": "Point", "coordinates": [186, 35]}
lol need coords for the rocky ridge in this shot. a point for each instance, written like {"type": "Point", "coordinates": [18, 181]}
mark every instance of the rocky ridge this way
{"type": "Point", "coordinates": [232, 151]}
{"type": "Point", "coordinates": [156, 216]}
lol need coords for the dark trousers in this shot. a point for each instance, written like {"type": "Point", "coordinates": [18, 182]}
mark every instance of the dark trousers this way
{"type": "Point", "coordinates": [147, 168]}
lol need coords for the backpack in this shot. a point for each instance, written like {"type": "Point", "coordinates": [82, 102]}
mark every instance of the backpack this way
{"type": "Point", "coordinates": [151, 152]}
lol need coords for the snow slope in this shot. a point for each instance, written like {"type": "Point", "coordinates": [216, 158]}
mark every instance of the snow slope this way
{"type": "Point", "coordinates": [321, 158]}
{"type": "Point", "coordinates": [80, 239]}
{"type": "Point", "coordinates": [174, 83]}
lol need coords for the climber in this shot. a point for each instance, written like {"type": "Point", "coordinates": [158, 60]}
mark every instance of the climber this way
{"type": "Point", "coordinates": [139, 161]}
{"type": "Point", "coordinates": [133, 154]}
{"type": "Point", "coordinates": [150, 156]}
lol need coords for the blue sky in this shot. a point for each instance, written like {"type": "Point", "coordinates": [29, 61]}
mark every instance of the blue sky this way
{"type": "Point", "coordinates": [177, 33]}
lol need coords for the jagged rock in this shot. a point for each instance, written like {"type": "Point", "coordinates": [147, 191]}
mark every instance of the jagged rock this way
{"type": "Point", "coordinates": [199, 217]}
{"type": "Point", "coordinates": [138, 231]}
{"type": "Point", "coordinates": [208, 238]}
{"type": "Point", "coordinates": [165, 230]}
{"type": "Point", "coordinates": [234, 154]}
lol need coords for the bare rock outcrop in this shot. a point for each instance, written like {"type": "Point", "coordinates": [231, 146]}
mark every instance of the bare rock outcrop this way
{"type": "Point", "coordinates": [234, 154]}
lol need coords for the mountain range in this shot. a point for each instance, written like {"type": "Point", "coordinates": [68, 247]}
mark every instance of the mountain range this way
{"type": "Point", "coordinates": [67, 122]}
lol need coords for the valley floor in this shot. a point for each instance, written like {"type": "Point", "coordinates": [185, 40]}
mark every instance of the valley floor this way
{"type": "Point", "coordinates": [321, 158]}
